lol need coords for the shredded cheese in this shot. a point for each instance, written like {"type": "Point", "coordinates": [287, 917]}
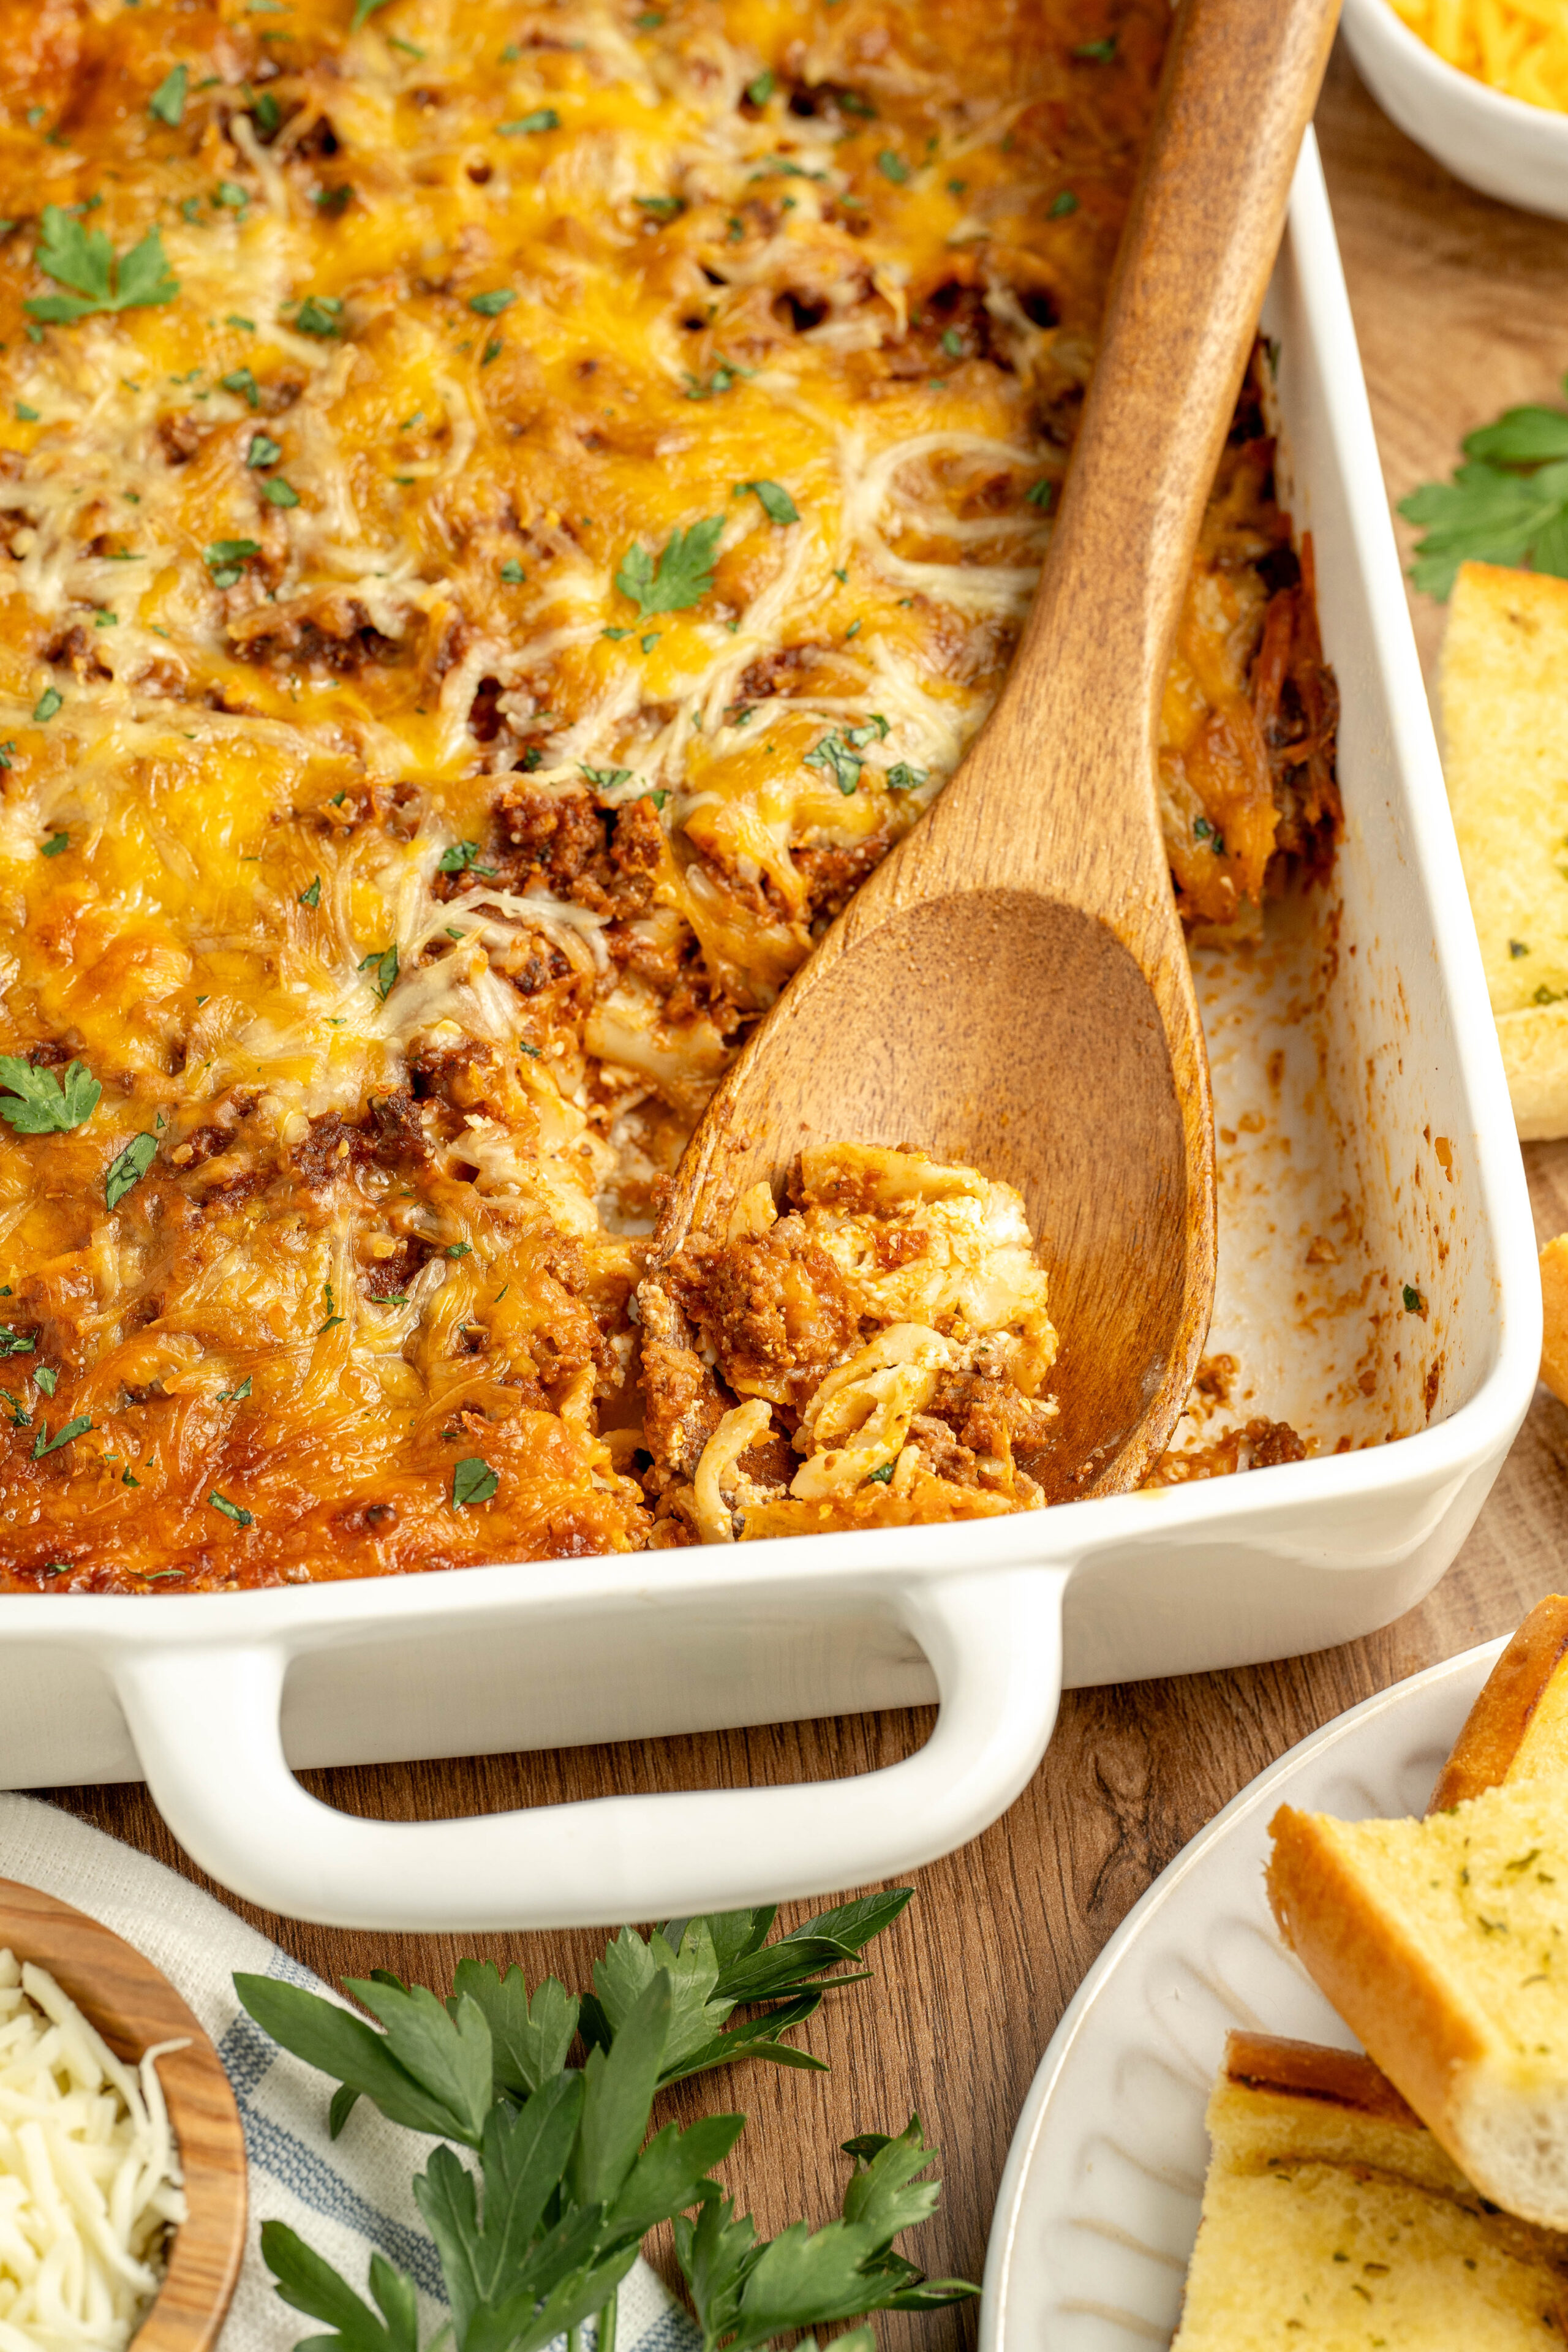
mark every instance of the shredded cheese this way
{"type": "Point", "coordinates": [89, 2175]}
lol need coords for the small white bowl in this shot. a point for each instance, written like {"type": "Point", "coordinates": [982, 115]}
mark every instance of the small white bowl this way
{"type": "Point", "coordinates": [1501, 145]}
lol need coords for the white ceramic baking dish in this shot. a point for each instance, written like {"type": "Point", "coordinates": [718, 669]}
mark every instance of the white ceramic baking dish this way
{"type": "Point", "coordinates": [1371, 1147]}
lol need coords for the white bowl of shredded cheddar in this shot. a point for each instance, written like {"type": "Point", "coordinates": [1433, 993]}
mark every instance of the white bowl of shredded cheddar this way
{"type": "Point", "coordinates": [1483, 85]}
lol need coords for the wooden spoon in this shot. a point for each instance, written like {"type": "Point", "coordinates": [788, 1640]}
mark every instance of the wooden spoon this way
{"type": "Point", "coordinates": [1011, 987]}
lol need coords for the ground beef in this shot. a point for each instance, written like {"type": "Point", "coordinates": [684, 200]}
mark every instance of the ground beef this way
{"type": "Point", "coordinates": [776, 1308]}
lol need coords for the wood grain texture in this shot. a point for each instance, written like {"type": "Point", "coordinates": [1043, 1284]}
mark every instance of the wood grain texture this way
{"type": "Point", "coordinates": [1458, 306]}
{"type": "Point", "coordinates": [134, 2007]}
{"type": "Point", "coordinates": [1036, 893]}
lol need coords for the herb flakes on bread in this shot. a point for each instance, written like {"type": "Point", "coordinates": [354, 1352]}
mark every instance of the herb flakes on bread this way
{"type": "Point", "coordinates": [1331, 2218]}
{"type": "Point", "coordinates": [1503, 696]}
{"type": "Point", "coordinates": [1443, 1943]}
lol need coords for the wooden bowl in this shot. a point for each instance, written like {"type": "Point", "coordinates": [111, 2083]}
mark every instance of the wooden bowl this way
{"type": "Point", "coordinates": [133, 2007]}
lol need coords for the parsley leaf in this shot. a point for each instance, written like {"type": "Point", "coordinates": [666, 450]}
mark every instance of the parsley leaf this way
{"type": "Point", "coordinates": [491, 305]}
{"type": "Point", "coordinates": [234, 1396]}
{"type": "Point", "coordinates": [263, 449]}
{"type": "Point", "coordinates": [55, 843]}
{"type": "Point", "coordinates": [17, 1343]}
{"type": "Point", "coordinates": [224, 556]}
{"type": "Point", "coordinates": [902, 778]}
{"type": "Point", "coordinates": [1507, 505]}
{"type": "Point", "coordinates": [892, 166]}
{"type": "Point", "coordinates": [48, 1378]}
{"type": "Point", "coordinates": [84, 259]}
{"type": "Point", "coordinates": [513, 572]}
{"type": "Point", "coordinates": [473, 1481]}
{"type": "Point", "coordinates": [839, 759]}
{"type": "Point", "coordinates": [311, 895]}
{"type": "Point", "coordinates": [279, 493]}
{"type": "Point", "coordinates": [385, 962]}
{"type": "Point", "coordinates": [242, 1518]}
{"type": "Point", "coordinates": [168, 101]}
{"type": "Point", "coordinates": [126, 1172]}
{"type": "Point", "coordinates": [241, 380]}
{"type": "Point", "coordinates": [459, 857]}
{"type": "Point", "coordinates": [682, 576]}
{"type": "Point", "coordinates": [776, 502]}
{"type": "Point", "coordinates": [47, 703]}
{"type": "Point", "coordinates": [43, 1443]}
{"type": "Point", "coordinates": [45, 1105]}
{"type": "Point", "coordinates": [543, 118]}
{"type": "Point", "coordinates": [363, 11]}
{"type": "Point", "coordinates": [319, 314]}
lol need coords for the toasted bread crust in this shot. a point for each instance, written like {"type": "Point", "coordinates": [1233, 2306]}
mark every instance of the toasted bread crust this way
{"type": "Point", "coordinates": [1307, 2070]}
{"type": "Point", "coordinates": [1382, 1984]}
{"type": "Point", "coordinates": [1487, 1751]}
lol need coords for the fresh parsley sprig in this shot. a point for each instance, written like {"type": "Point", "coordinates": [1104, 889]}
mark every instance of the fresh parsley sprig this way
{"type": "Point", "coordinates": [84, 259]}
{"type": "Point", "coordinates": [42, 1104]}
{"type": "Point", "coordinates": [682, 576]}
{"type": "Point", "coordinates": [1507, 504]}
{"type": "Point", "coordinates": [536, 2235]}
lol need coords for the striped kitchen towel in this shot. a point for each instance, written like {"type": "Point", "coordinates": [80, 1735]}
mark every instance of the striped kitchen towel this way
{"type": "Point", "coordinates": [347, 2198]}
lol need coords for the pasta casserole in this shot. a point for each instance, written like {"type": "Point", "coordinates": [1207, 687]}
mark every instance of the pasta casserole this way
{"type": "Point", "coordinates": [508, 511]}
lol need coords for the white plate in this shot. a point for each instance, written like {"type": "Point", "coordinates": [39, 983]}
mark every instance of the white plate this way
{"type": "Point", "coordinates": [1099, 2204]}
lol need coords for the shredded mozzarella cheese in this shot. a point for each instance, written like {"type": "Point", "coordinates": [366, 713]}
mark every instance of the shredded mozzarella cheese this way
{"type": "Point", "coordinates": [89, 2175]}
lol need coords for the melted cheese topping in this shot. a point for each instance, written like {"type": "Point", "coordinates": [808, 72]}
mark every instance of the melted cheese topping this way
{"type": "Point", "coordinates": [89, 2175]}
{"type": "Point", "coordinates": [459, 650]}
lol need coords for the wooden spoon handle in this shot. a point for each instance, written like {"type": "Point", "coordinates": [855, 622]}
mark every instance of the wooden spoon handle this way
{"type": "Point", "coordinates": [1241, 79]}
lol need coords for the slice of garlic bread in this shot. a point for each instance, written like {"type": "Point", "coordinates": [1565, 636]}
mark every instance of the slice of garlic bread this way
{"type": "Point", "coordinates": [1444, 1946]}
{"type": "Point", "coordinates": [1333, 2221]}
{"type": "Point", "coordinates": [1518, 1727]}
{"type": "Point", "coordinates": [1503, 697]}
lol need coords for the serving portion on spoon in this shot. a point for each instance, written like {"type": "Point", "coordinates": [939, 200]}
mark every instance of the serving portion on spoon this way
{"type": "Point", "coordinates": [1010, 989]}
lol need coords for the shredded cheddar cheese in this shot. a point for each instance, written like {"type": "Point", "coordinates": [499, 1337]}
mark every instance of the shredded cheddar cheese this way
{"type": "Point", "coordinates": [1520, 47]}
{"type": "Point", "coordinates": [507, 512]}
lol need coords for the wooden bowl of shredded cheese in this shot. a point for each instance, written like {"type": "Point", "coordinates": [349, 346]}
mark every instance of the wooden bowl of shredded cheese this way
{"type": "Point", "coordinates": [122, 2201]}
{"type": "Point", "coordinates": [1481, 84]}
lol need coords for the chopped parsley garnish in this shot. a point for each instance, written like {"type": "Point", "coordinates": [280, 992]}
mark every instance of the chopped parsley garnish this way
{"type": "Point", "coordinates": [320, 314]}
{"type": "Point", "coordinates": [331, 1307]}
{"type": "Point", "coordinates": [47, 703]}
{"type": "Point", "coordinates": [892, 167]}
{"type": "Point", "coordinates": [104, 619]}
{"type": "Point", "coordinates": [1413, 1302]}
{"type": "Point", "coordinates": [1039, 494]}
{"type": "Point", "coordinates": [234, 320]}
{"type": "Point", "coordinates": [229, 196]}
{"type": "Point", "coordinates": [234, 1396]}
{"type": "Point", "coordinates": [513, 572]}
{"type": "Point", "coordinates": [224, 557]}
{"type": "Point", "coordinates": [168, 101]}
{"type": "Point", "coordinates": [241, 1518]}
{"type": "Point", "coordinates": [263, 450]}
{"type": "Point", "coordinates": [543, 118]}
{"type": "Point", "coordinates": [409, 48]}
{"type": "Point", "coordinates": [279, 493]}
{"type": "Point", "coordinates": [905, 779]}
{"type": "Point", "coordinates": [1060, 206]}
{"type": "Point", "coordinates": [836, 758]}
{"type": "Point", "coordinates": [43, 1443]}
{"type": "Point", "coordinates": [491, 305]}
{"type": "Point", "coordinates": [1097, 53]}
{"type": "Point", "coordinates": [84, 259]}
{"type": "Point", "coordinates": [1507, 505]}
{"type": "Point", "coordinates": [776, 501]}
{"type": "Point", "coordinates": [385, 961]}
{"type": "Point", "coordinates": [55, 843]}
{"type": "Point", "coordinates": [313, 897]}
{"type": "Point", "coordinates": [6, 751]}
{"type": "Point", "coordinates": [333, 203]}
{"type": "Point", "coordinates": [44, 1104]}
{"type": "Point", "coordinates": [459, 857]}
{"type": "Point", "coordinates": [460, 1249]}
{"type": "Point", "coordinates": [650, 642]}
{"type": "Point", "coordinates": [126, 1172]}
{"type": "Point", "coordinates": [48, 1378]}
{"type": "Point", "coordinates": [881, 1477]}
{"type": "Point", "coordinates": [24, 415]}
{"type": "Point", "coordinates": [17, 1343]}
{"type": "Point", "coordinates": [663, 208]}
{"type": "Point", "coordinates": [761, 88]}
{"type": "Point", "coordinates": [473, 1481]}
{"type": "Point", "coordinates": [682, 576]}
{"type": "Point", "coordinates": [953, 343]}
{"type": "Point", "coordinates": [266, 113]}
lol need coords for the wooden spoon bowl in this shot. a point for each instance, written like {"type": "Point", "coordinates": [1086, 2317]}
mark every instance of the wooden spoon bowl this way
{"type": "Point", "coordinates": [134, 2005]}
{"type": "Point", "coordinates": [1011, 987]}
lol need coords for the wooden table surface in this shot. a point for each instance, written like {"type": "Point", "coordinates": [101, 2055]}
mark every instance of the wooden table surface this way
{"type": "Point", "coordinates": [1459, 304]}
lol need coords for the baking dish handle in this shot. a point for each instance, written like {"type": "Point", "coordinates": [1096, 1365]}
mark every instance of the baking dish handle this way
{"type": "Point", "coordinates": [206, 1725]}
